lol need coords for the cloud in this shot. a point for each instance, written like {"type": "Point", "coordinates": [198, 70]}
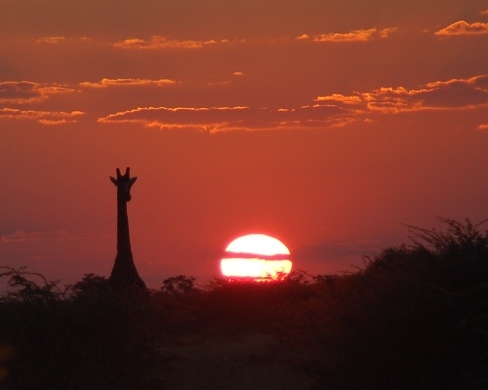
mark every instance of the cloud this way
{"type": "Point", "coordinates": [344, 121]}
{"type": "Point", "coordinates": [104, 83]}
{"type": "Point", "coordinates": [336, 252]}
{"type": "Point", "coordinates": [42, 117]}
{"type": "Point", "coordinates": [352, 36]}
{"type": "Point", "coordinates": [201, 118]}
{"type": "Point", "coordinates": [58, 40]}
{"type": "Point", "coordinates": [217, 119]}
{"type": "Point", "coordinates": [21, 236]}
{"type": "Point", "coordinates": [325, 111]}
{"type": "Point", "coordinates": [162, 42]}
{"type": "Point", "coordinates": [22, 92]}
{"type": "Point", "coordinates": [483, 127]}
{"type": "Point", "coordinates": [386, 32]}
{"type": "Point", "coordinates": [328, 111]}
{"type": "Point", "coordinates": [336, 97]}
{"type": "Point", "coordinates": [55, 89]}
{"type": "Point", "coordinates": [484, 13]}
{"type": "Point", "coordinates": [439, 95]}
{"type": "Point", "coordinates": [463, 28]}
{"type": "Point", "coordinates": [51, 40]}
{"type": "Point", "coordinates": [53, 122]}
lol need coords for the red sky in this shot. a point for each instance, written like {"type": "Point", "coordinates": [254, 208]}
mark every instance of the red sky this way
{"type": "Point", "coordinates": [327, 124]}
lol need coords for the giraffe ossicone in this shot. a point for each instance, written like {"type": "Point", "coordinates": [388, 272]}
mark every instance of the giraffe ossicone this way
{"type": "Point", "coordinates": [124, 183]}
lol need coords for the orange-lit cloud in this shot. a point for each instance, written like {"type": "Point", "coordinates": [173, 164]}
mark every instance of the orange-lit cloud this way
{"type": "Point", "coordinates": [53, 122]}
{"type": "Point", "coordinates": [439, 95]}
{"type": "Point", "coordinates": [200, 118]}
{"type": "Point", "coordinates": [55, 89]}
{"type": "Point", "coordinates": [162, 42]}
{"type": "Point", "coordinates": [51, 40]}
{"type": "Point", "coordinates": [104, 83]}
{"type": "Point", "coordinates": [483, 127]}
{"type": "Point", "coordinates": [337, 97]}
{"type": "Point", "coordinates": [42, 117]}
{"type": "Point", "coordinates": [352, 36]}
{"type": "Point", "coordinates": [344, 121]}
{"type": "Point", "coordinates": [215, 119]}
{"type": "Point", "coordinates": [55, 40]}
{"type": "Point", "coordinates": [386, 32]}
{"type": "Point", "coordinates": [334, 110]}
{"type": "Point", "coordinates": [463, 28]}
{"type": "Point", "coordinates": [22, 92]}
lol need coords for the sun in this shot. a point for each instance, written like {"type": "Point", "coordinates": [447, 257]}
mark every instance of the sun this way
{"type": "Point", "coordinates": [257, 257]}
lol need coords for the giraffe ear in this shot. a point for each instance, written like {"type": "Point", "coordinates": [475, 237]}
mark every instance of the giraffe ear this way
{"type": "Point", "coordinates": [112, 179]}
{"type": "Point", "coordinates": [133, 180]}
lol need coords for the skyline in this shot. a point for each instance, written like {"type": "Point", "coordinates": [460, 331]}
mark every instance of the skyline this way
{"type": "Point", "coordinates": [328, 126]}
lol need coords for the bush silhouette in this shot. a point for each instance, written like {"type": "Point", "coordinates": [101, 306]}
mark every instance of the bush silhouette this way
{"type": "Point", "coordinates": [407, 319]}
{"type": "Point", "coordinates": [89, 339]}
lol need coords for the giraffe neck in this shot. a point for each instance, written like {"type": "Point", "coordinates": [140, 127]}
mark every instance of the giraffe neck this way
{"type": "Point", "coordinates": [123, 238]}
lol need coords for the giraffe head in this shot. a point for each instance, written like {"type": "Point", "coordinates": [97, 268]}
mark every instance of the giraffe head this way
{"type": "Point", "coordinates": [123, 184]}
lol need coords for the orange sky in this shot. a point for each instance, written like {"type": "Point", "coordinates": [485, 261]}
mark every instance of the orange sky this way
{"type": "Point", "coordinates": [328, 124]}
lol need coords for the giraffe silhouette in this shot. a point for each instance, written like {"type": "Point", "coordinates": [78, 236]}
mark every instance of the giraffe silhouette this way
{"type": "Point", "coordinates": [124, 273]}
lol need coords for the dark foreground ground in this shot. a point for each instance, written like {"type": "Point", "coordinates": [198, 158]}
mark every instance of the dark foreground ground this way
{"type": "Point", "coordinates": [250, 362]}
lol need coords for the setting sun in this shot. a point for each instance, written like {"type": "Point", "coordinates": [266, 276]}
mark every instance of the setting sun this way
{"type": "Point", "coordinates": [256, 256]}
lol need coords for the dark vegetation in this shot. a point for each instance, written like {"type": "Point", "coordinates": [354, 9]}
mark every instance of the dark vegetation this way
{"type": "Point", "coordinates": [414, 317]}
